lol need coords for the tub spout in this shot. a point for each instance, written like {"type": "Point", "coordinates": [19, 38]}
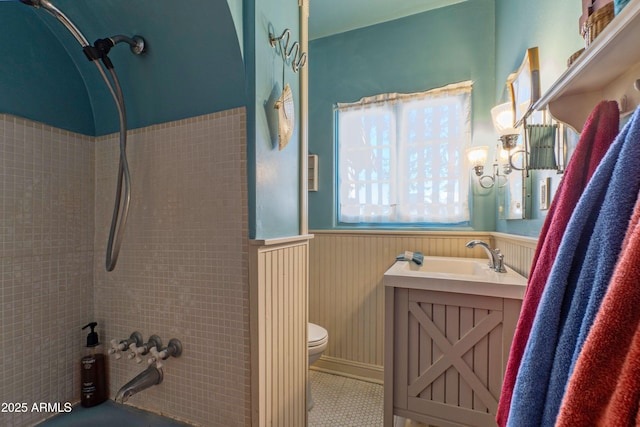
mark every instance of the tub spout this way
{"type": "Point", "coordinates": [145, 379]}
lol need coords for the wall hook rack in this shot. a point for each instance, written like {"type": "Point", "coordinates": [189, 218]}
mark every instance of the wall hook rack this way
{"type": "Point", "coordinates": [293, 53]}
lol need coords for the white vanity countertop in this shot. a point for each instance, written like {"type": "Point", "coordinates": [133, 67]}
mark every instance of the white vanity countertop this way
{"type": "Point", "coordinates": [459, 275]}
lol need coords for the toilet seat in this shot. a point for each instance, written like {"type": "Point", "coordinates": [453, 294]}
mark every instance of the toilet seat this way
{"type": "Point", "coordinates": [318, 336]}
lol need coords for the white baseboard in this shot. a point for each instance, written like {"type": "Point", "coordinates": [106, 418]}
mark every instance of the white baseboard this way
{"type": "Point", "coordinates": [350, 369]}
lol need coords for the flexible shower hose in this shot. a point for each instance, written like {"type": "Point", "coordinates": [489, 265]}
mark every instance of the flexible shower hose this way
{"type": "Point", "coordinates": [95, 53]}
{"type": "Point", "coordinates": [123, 193]}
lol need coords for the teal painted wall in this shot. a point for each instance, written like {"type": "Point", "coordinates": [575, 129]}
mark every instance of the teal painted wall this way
{"type": "Point", "coordinates": [411, 54]}
{"type": "Point", "coordinates": [38, 79]}
{"type": "Point", "coordinates": [193, 66]}
{"type": "Point", "coordinates": [235, 6]}
{"type": "Point", "coordinates": [553, 27]}
{"type": "Point", "coordinates": [274, 185]}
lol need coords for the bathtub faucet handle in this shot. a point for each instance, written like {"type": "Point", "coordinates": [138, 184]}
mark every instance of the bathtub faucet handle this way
{"type": "Point", "coordinates": [155, 342]}
{"type": "Point", "coordinates": [157, 357]}
{"type": "Point", "coordinates": [135, 352]}
{"type": "Point", "coordinates": [174, 349]}
{"type": "Point", "coordinates": [116, 348]}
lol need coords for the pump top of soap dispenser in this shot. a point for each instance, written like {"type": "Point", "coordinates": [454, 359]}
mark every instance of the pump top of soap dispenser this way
{"type": "Point", "coordinates": [92, 338]}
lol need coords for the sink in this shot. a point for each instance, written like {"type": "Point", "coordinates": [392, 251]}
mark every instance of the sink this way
{"type": "Point", "coordinates": [459, 275]}
{"type": "Point", "coordinates": [457, 266]}
{"type": "Point", "coordinates": [449, 324]}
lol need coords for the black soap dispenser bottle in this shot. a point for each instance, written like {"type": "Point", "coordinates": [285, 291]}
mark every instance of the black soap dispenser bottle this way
{"type": "Point", "coordinates": [93, 377]}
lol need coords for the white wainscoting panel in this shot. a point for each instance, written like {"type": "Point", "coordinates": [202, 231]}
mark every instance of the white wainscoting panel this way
{"type": "Point", "coordinates": [346, 292]}
{"type": "Point", "coordinates": [279, 282]}
{"type": "Point", "coordinates": [518, 250]}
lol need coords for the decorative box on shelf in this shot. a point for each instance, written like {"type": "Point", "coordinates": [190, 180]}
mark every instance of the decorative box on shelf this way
{"type": "Point", "coordinates": [607, 69]}
{"type": "Point", "coordinates": [596, 22]}
{"type": "Point", "coordinates": [588, 8]}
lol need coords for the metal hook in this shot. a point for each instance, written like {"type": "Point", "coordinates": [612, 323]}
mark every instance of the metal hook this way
{"type": "Point", "coordinates": [299, 58]}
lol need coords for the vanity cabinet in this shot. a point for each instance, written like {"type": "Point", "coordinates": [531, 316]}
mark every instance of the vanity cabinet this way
{"type": "Point", "coordinates": [445, 355]}
{"type": "Point", "coordinates": [607, 69]}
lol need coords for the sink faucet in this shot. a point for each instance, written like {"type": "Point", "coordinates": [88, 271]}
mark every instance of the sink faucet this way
{"type": "Point", "coordinates": [147, 378]}
{"type": "Point", "coordinates": [496, 259]}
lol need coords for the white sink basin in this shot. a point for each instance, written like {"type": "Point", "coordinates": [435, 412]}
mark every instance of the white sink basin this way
{"type": "Point", "coordinates": [460, 275]}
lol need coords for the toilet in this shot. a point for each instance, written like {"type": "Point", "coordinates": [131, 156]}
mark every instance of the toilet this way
{"type": "Point", "coordinates": [318, 338]}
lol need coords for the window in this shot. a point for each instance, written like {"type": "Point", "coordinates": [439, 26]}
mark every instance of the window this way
{"type": "Point", "coordinates": [401, 157]}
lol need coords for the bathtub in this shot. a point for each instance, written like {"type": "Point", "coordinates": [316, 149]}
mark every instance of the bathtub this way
{"type": "Point", "coordinates": [109, 414]}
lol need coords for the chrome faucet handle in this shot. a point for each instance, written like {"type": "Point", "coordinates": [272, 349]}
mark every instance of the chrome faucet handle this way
{"type": "Point", "coordinates": [499, 264]}
{"type": "Point", "coordinates": [496, 259]}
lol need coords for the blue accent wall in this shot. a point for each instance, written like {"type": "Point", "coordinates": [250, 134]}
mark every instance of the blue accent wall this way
{"type": "Point", "coordinates": [553, 27]}
{"type": "Point", "coordinates": [38, 79]}
{"type": "Point", "coordinates": [411, 54]}
{"type": "Point", "coordinates": [274, 184]}
{"type": "Point", "coordinates": [193, 66]}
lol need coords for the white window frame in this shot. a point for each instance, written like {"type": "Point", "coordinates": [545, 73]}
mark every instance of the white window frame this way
{"type": "Point", "coordinates": [390, 173]}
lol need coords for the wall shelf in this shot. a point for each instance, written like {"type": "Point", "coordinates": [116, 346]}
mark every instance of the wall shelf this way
{"type": "Point", "coordinates": [607, 69]}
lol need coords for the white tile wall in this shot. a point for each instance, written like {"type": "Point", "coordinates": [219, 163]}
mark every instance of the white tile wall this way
{"type": "Point", "coordinates": [182, 270]}
{"type": "Point", "coordinates": [46, 274]}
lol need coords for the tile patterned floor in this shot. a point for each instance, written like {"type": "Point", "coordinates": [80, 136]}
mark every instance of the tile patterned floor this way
{"type": "Point", "coordinates": [345, 402]}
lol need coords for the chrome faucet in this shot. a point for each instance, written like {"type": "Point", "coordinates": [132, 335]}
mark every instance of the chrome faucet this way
{"type": "Point", "coordinates": [496, 259]}
{"type": "Point", "coordinates": [145, 379]}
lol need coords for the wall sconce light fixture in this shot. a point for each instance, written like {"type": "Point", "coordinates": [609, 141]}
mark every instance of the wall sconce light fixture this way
{"type": "Point", "coordinates": [503, 120]}
{"type": "Point", "coordinates": [478, 157]}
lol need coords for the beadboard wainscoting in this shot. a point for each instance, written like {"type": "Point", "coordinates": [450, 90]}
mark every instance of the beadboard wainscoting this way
{"type": "Point", "coordinates": [346, 291]}
{"type": "Point", "coordinates": [279, 358]}
{"type": "Point", "coordinates": [518, 250]}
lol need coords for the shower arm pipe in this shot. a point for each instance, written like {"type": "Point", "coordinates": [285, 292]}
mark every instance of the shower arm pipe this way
{"type": "Point", "coordinates": [136, 43]}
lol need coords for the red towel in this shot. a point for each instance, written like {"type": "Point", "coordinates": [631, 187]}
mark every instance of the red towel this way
{"type": "Point", "coordinates": [599, 131]}
{"type": "Point", "coordinates": [623, 408]}
{"type": "Point", "coordinates": [605, 386]}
